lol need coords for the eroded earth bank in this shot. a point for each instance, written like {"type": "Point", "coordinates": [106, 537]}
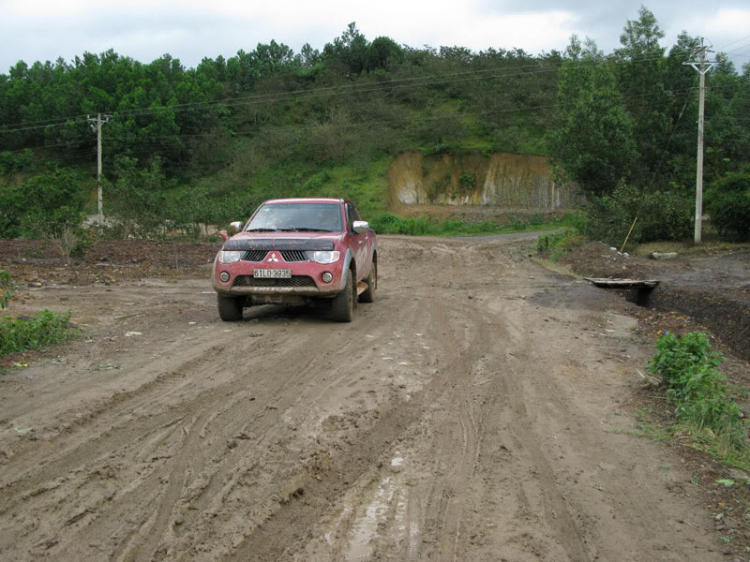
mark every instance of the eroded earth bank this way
{"type": "Point", "coordinates": [478, 410]}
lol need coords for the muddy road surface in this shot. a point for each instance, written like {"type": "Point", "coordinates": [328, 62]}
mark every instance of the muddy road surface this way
{"type": "Point", "coordinates": [478, 410]}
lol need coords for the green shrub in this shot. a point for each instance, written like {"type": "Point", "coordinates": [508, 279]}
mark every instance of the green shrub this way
{"type": "Point", "coordinates": [137, 199]}
{"type": "Point", "coordinates": [44, 329]}
{"type": "Point", "coordinates": [43, 205]}
{"type": "Point", "coordinates": [557, 244]}
{"type": "Point", "coordinates": [388, 223]}
{"type": "Point", "coordinates": [6, 288]}
{"type": "Point", "coordinates": [728, 205]}
{"type": "Point", "coordinates": [467, 181]}
{"type": "Point", "coordinates": [662, 215]}
{"type": "Point", "coordinates": [694, 385]}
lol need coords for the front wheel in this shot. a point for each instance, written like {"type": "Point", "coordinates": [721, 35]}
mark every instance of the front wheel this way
{"type": "Point", "coordinates": [342, 305]}
{"type": "Point", "coordinates": [230, 308]}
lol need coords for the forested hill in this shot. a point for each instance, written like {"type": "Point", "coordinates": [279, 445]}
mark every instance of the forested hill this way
{"type": "Point", "coordinates": [354, 96]}
{"type": "Point", "coordinates": [272, 121]}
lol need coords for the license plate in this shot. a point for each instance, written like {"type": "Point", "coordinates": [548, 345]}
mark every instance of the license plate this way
{"type": "Point", "coordinates": [272, 273]}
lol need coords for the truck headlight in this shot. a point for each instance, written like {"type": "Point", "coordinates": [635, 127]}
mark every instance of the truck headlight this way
{"type": "Point", "coordinates": [324, 257]}
{"type": "Point", "coordinates": [229, 257]}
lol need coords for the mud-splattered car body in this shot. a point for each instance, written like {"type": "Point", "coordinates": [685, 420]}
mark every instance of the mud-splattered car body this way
{"type": "Point", "coordinates": [298, 251]}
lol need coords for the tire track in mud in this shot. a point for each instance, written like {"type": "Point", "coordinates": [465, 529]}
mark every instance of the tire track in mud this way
{"type": "Point", "coordinates": [512, 367]}
{"type": "Point", "coordinates": [111, 437]}
{"type": "Point", "coordinates": [452, 489]}
{"type": "Point", "coordinates": [263, 425]}
{"type": "Point", "coordinates": [295, 516]}
{"type": "Point", "coordinates": [284, 447]}
{"type": "Point", "coordinates": [558, 514]}
{"type": "Point", "coordinates": [271, 541]}
{"type": "Point", "coordinates": [129, 433]}
{"type": "Point", "coordinates": [148, 540]}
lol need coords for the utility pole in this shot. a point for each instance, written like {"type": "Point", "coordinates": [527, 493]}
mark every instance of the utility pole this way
{"type": "Point", "coordinates": [702, 66]}
{"type": "Point", "coordinates": [98, 125]}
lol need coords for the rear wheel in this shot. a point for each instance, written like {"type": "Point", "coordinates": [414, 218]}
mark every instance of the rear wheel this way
{"type": "Point", "coordinates": [368, 295]}
{"type": "Point", "coordinates": [342, 305]}
{"type": "Point", "coordinates": [230, 308]}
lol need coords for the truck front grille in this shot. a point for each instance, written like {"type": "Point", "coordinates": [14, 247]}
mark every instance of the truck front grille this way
{"type": "Point", "coordinates": [293, 255]}
{"type": "Point", "coordinates": [254, 255]}
{"type": "Point", "coordinates": [295, 281]}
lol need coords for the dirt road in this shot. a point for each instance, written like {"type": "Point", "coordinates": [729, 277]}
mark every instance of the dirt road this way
{"type": "Point", "coordinates": [478, 410]}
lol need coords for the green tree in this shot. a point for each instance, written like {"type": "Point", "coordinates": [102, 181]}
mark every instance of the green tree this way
{"type": "Point", "coordinates": [640, 78]}
{"type": "Point", "coordinates": [351, 50]}
{"type": "Point", "coordinates": [43, 205]}
{"type": "Point", "coordinates": [728, 203]}
{"type": "Point", "coordinates": [592, 140]}
{"type": "Point", "coordinates": [383, 53]}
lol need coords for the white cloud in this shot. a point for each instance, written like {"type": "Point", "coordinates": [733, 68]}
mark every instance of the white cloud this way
{"type": "Point", "coordinates": [191, 29]}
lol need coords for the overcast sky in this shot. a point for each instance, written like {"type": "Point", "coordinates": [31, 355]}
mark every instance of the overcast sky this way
{"type": "Point", "coordinates": [32, 30]}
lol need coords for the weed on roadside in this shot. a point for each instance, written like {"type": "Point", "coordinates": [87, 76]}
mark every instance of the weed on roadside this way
{"type": "Point", "coordinates": [704, 412]}
{"type": "Point", "coordinates": [555, 245]}
{"type": "Point", "coordinates": [388, 223]}
{"type": "Point", "coordinates": [6, 288]}
{"type": "Point", "coordinates": [45, 328]}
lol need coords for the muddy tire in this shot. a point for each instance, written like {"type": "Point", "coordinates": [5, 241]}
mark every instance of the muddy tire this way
{"type": "Point", "coordinates": [230, 308]}
{"type": "Point", "coordinates": [342, 305]}
{"type": "Point", "coordinates": [372, 284]}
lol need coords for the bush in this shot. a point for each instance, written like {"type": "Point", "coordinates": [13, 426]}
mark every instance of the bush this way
{"type": "Point", "coordinates": [44, 205]}
{"type": "Point", "coordinates": [694, 385]}
{"type": "Point", "coordinates": [728, 205]}
{"type": "Point", "coordinates": [137, 198]}
{"type": "Point", "coordinates": [662, 215]}
{"type": "Point", "coordinates": [6, 288]}
{"type": "Point", "coordinates": [44, 329]}
{"type": "Point", "coordinates": [557, 244]}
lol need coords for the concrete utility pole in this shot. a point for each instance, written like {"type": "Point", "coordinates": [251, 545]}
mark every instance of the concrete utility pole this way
{"type": "Point", "coordinates": [702, 66]}
{"type": "Point", "coordinates": [99, 123]}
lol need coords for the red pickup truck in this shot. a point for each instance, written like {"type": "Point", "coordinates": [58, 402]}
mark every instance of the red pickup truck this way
{"type": "Point", "coordinates": [296, 252]}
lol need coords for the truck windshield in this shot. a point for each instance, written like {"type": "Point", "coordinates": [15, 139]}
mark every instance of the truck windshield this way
{"type": "Point", "coordinates": [297, 217]}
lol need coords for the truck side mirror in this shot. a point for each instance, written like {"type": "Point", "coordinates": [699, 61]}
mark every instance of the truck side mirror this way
{"type": "Point", "coordinates": [360, 227]}
{"type": "Point", "coordinates": [235, 227]}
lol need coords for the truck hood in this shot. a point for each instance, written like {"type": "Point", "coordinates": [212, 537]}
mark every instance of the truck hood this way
{"type": "Point", "coordinates": [283, 241]}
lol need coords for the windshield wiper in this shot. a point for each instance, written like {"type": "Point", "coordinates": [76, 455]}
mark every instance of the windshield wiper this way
{"type": "Point", "coordinates": [262, 230]}
{"type": "Point", "coordinates": [305, 229]}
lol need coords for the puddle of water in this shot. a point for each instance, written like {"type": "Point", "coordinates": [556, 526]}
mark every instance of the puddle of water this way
{"type": "Point", "coordinates": [365, 528]}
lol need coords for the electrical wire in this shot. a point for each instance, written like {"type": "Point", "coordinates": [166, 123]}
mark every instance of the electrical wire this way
{"type": "Point", "coordinates": [358, 124]}
{"type": "Point", "coordinates": [347, 88]}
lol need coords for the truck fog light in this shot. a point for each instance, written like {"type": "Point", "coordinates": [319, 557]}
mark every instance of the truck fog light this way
{"type": "Point", "coordinates": [327, 277]}
{"type": "Point", "coordinates": [224, 276]}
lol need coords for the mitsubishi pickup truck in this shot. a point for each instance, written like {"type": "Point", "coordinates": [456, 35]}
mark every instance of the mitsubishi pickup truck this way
{"type": "Point", "coordinates": [298, 252]}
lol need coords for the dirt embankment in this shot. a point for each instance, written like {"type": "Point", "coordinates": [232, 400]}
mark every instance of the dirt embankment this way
{"type": "Point", "coordinates": [478, 410]}
{"type": "Point", "coordinates": [711, 288]}
{"type": "Point", "coordinates": [505, 181]}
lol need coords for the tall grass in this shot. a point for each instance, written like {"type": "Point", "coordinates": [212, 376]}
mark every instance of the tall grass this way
{"type": "Point", "coordinates": [388, 223]}
{"type": "Point", "coordinates": [44, 329]}
{"type": "Point", "coordinates": [699, 393]}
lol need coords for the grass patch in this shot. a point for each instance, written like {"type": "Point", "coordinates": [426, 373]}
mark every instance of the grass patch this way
{"type": "Point", "coordinates": [553, 246]}
{"type": "Point", "coordinates": [388, 223]}
{"type": "Point", "coordinates": [6, 288]}
{"type": "Point", "coordinates": [710, 245]}
{"type": "Point", "coordinates": [45, 328]}
{"type": "Point", "coordinates": [703, 410]}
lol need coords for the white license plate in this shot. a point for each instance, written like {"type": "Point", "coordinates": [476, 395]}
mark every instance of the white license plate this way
{"type": "Point", "coordinates": [272, 273]}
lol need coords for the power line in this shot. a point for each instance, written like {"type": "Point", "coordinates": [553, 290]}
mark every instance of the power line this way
{"type": "Point", "coordinates": [337, 89]}
{"type": "Point", "coordinates": [115, 136]}
{"type": "Point", "coordinates": [733, 42]}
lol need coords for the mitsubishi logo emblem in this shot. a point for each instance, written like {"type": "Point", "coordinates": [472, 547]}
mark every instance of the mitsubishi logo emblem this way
{"type": "Point", "coordinates": [273, 258]}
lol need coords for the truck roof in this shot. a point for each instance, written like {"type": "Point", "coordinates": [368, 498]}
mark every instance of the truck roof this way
{"type": "Point", "coordinates": [314, 200]}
